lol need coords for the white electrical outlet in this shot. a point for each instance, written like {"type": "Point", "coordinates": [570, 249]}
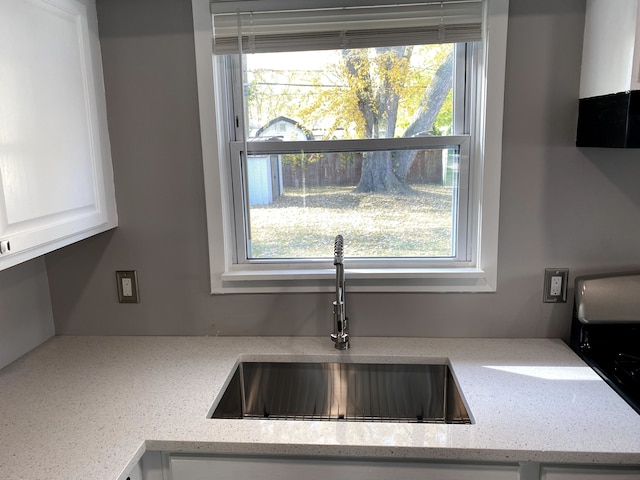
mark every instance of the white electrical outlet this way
{"type": "Point", "coordinates": [127, 289]}
{"type": "Point", "coordinates": [556, 286]}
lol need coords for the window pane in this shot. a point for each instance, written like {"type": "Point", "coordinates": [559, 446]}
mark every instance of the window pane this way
{"type": "Point", "coordinates": [299, 202]}
{"type": "Point", "coordinates": [381, 92]}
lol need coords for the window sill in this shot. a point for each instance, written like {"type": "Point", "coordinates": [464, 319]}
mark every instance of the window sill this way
{"type": "Point", "coordinates": [245, 280]}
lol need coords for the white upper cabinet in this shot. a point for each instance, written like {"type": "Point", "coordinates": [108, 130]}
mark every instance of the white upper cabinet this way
{"type": "Point", "coordinates": [611, 50]}
{"type": "Point", "coordinates": [56, 179]}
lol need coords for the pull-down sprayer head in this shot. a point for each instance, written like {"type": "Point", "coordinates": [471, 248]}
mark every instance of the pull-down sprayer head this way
{"type": "Point", "coordinates": [338, 250]}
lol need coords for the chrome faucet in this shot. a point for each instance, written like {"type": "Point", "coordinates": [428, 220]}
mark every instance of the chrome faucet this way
{"type": "Point", "coordinates": [340, 334]}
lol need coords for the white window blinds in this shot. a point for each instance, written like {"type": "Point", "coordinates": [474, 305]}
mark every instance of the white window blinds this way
{"type": "Point", "coordinates": [238, 29]}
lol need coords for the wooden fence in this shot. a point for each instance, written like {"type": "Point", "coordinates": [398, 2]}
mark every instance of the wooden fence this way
{"type": "Point", "coordinates": [337, 169]}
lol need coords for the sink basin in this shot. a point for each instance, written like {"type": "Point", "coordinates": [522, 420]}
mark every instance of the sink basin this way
{"type": "Point", "coordinates": [343, 391]}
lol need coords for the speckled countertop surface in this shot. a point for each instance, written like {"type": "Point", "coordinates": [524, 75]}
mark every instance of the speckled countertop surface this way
{"type": "Point", "coordinates": [89, 407]}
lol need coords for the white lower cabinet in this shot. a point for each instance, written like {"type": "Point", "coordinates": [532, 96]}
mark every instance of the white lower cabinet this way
{"type": "Point", "coordinates": [192, 467]}
{"type": "Point", "coordinates": [279, 468]}
{"type": "Point", "coordinates": [558, 472]}
{"type": "Point", "coordinates": [135, 473]}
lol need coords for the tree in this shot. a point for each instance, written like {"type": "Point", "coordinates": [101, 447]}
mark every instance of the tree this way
{"type": "Point", "coordinates": [371, 93]}
{"type": "Point", "coordinates": [384, 171]}
{"type": "Point", "coordinates": [378, 104]}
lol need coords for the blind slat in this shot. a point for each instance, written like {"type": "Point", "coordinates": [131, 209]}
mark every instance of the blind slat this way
{"type": "Point", "coordinates": [348, 27]}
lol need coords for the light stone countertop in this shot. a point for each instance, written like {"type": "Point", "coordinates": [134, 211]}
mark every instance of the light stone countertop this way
{"type": "Point", "coordinates": [89, 407]}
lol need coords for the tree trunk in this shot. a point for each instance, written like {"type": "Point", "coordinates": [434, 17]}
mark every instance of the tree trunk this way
{"type": "Point", "coordinates": [426, 114]}
{"type": "Point", "coordinates": [380, 110]}
{"type": "Point", "coordinates": [378, 176]}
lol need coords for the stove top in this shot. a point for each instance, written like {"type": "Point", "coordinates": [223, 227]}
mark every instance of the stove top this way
{"type": "Point", "coordinates": [626, 371]}
{"type": "Point", "coordinates": [621, 372]}
{"type": "Point", "coordinates": [605, 334]}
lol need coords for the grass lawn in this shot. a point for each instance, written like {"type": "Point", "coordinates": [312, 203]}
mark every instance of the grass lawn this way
{"type": "Point", "coordinates": [304, 223]}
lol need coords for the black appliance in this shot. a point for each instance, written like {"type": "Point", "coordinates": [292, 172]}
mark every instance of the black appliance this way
{"type": "Point", "coordinates": [611, 121]}
{"type": "Point", "coordinates": [605, 330]}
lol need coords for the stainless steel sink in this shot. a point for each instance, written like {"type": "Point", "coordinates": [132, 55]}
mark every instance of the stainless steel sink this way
{"type": "Point", "coordinates": [343, 391]}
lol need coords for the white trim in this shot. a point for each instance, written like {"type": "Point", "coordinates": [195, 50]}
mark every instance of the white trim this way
{"type": "Point", "coordinates": [359, 280]}
{"type": "Point", "coordinates": [232, 6]}
{"type": "Point", "coordinates": [213, 168]}
{"type": "Point", "coordinates": [497, 13]}
{"type": "Point", "coordinates": [356, 145]}
{"type": "Point", "coordinates": [635, 78]}
{"type": "Point", "coordinates": [345, 27]}
{"type": "Point", "coordinates": [478, 276]}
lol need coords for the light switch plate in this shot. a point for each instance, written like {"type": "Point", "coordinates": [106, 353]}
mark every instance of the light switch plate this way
{"type": "Point", "coordinates": [127, 286]}
{"type": "Point", "coordinates": [555, 285]}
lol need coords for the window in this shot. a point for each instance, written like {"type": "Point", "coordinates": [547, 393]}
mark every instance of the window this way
{"type": "Point", "coordinates": [370, 122]}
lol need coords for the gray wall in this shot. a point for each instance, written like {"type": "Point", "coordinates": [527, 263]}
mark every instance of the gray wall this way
{"type": "Point", "coordinates": [560, 206]}
{"type": "Point", "coordinates": [26, 319]}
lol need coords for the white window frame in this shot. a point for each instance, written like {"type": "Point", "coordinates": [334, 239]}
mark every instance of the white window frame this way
{"type": "Point", "coordinates": [479, 274]}
{"type": "Point", "coordinates": [463, 255]}
{"type": "Point", "coordinates": [230, 67]}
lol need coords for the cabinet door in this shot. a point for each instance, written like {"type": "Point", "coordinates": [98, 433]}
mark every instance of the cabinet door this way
{"type": "Point", "coordinates": [274, 468]}
{"type": "Point", "coordinates": [135, 473]}
{"type": "Point", "coordinates": [588, 473]}
{"type": "Point", "coordinates": [56, 180]}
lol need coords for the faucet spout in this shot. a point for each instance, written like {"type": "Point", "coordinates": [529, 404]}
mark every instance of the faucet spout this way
{"type": "Point", "coordinates": [340, 335]}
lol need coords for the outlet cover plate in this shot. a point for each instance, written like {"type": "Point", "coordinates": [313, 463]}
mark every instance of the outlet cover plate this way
{"type": "Point", "coordinates": [127, 293]}
{"type": "Point", "coordinates": [551, 276]}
